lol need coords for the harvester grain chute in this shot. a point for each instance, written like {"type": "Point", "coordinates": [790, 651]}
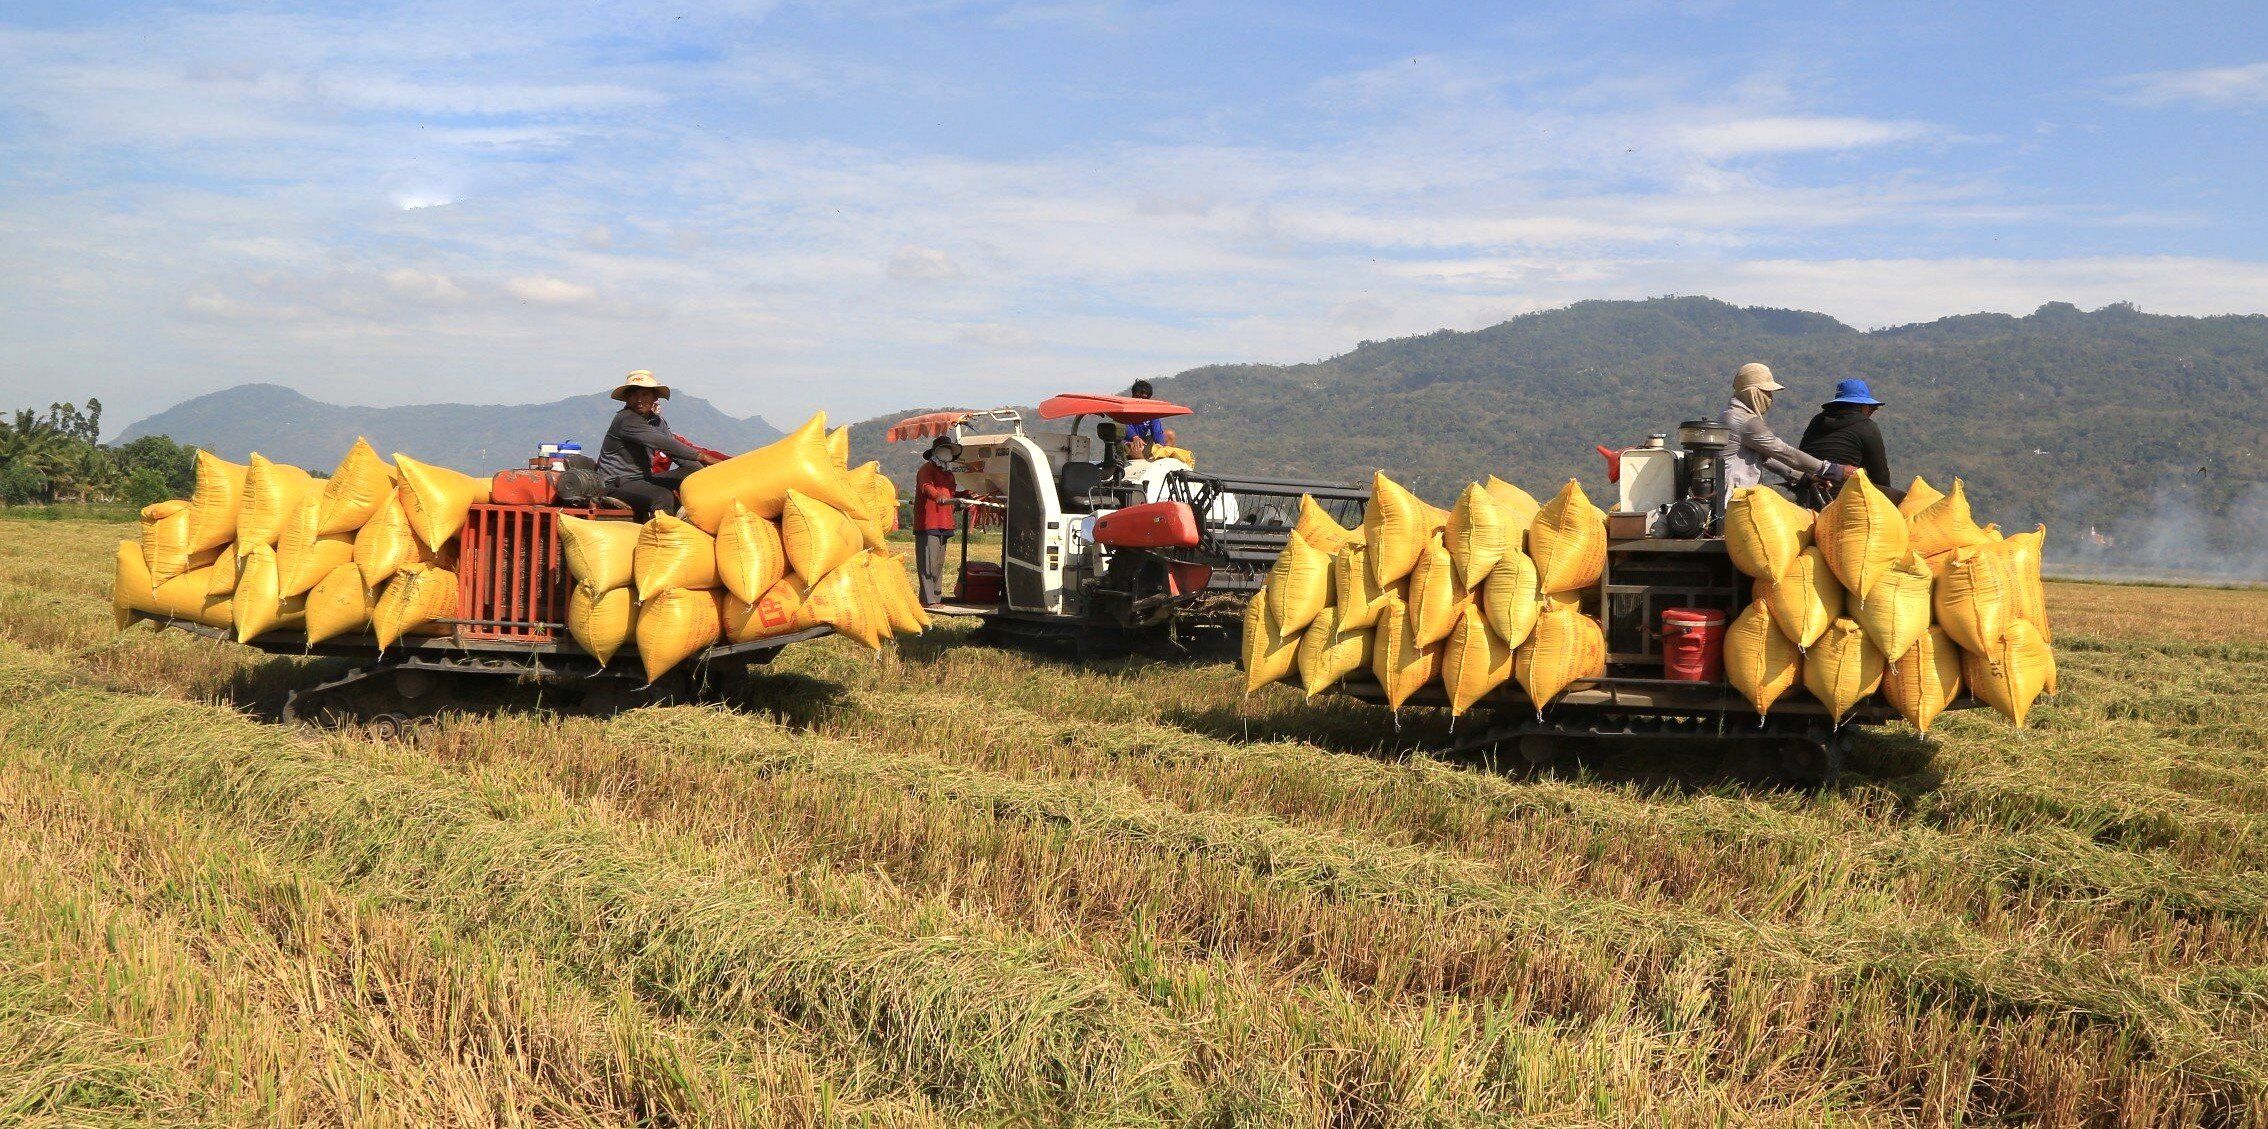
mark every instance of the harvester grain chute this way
{"type": "Point", "coordinates": [1093, 553]}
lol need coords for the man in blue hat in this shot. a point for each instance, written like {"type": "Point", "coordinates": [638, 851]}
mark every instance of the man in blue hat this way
{"type": "Point", "coordinates": [1844, 432]}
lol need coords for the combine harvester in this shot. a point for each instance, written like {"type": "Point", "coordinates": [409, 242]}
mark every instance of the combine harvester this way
{"type": "Point", "coordinates": [1661, 605]}
{"type": "Point", "coordinates": [1100, 561]}
{"type": "Point", "coordinates": [454, 591]}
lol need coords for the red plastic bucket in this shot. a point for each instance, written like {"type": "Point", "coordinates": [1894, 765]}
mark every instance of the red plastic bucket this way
{"type": "Point", "coordinates": [1693, 645]}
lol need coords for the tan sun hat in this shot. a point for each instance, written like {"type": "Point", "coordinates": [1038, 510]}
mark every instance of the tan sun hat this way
{"type": "Point", "coordinates": [1753, 375]}
{"type": "Point", "coordinates": [640, 379]}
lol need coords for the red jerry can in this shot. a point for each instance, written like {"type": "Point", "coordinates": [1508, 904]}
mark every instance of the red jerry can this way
{"type": "Point", "coordinates": [1693, 645]}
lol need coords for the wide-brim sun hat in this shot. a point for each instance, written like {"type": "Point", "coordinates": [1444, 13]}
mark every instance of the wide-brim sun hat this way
{"type": "Point", "coordinates": [1854, 392]}
{"type": "Point", "coordinates": [640, 379]}
{"type": "Point", "coordinates": [947, 442]}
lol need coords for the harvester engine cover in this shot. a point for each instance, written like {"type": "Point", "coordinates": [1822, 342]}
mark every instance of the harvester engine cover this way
{"type": "Point", "coordinates": [1152, 525]}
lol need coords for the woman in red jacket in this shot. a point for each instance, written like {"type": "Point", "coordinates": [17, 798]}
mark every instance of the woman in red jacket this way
{"type": "Point", "coordinates": [933, 515]}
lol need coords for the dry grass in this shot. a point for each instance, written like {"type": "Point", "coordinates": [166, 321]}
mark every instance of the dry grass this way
{"type": "Point", "coordinates": [973, 886]}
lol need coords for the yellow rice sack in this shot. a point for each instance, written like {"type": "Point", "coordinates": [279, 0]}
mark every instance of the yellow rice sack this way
{"type": "Point", "coordinates": [1862, 534]}
{"type": "Point", "coordinates": [1474, 661]}
{"type": "Point", "coordinates": [750, 555]}
{"type": "Point", "coordinates": [165, 542]}
{"type": "Point", "coordinates": [1299, 585]}
{"type": "Point", "coordinates": [130, 587]}
{"type": "Point", "coordinates": [222, 573]}
{"type": "Point", "coordinates": [1328, 652]}
{"type": "Point", "coordinates": [1519, 510]}
{"type": "Point", "coordinates": [2010, 676]}
{"type": "Point", "coordinates": [1435, 595]}
{"type": "Point", "coordinates": [1510, 599]}
{"type": "Point", "coordinates": [385, 543]}
{"type": "Point", "coordinates": [601, 622]}
{"type": "Point", "coordinates": [1760, 660]}
{"type": "Point", "coordinates": [1945, 525]}
{"type": "Point", "coordinates": [437, 499]}
{"type": "Point", "coordinates": [2022, 553]}
{"type": "Point", "coordinates": [1270, 653]}
{"type": "Point", "coordinates": [672, 554]}
{"type": "Point", "coordinates": [1401, 666]}
{"type": "Point", "coordinates": [1355, 593]}
{"type": "Point", "coordinates": [846, 600]}
{"type": "Point", "coordinates": [340, 603]}
{"type": "Point", "coordinates": [272, 491]}
{"type": "Point", "coordinates": [838, 446]}
{"type": "Point", "coordinates": [1564, 647]}
{"type": "Point", "coordinates": [675, 624]}
{"type": "Point", "coordinates": [1477, 534]}
{"type": "Point", "coordinates": [1920, 495]}
{"type": "Point", "coordinates": [600, 555]}
{"type": "Point", "coordinates": [417, 595]}
{"type": "Point", "coordinates": [184, 597]}
{"type": "Point", "coordinates": [881, 494]}
{"type": "Point", "coordinates": [779, 611]}
{"type": "Point", "coordinates": [1320, 529]}
{"type": "Point", "coordinates": [1842, 668]}
{"type": "Point", "coordinates": [1899, 611]}
{"type": "Point", "coordinates": [901, 604]}
{"type": "Point", "coordinates": [1926, 679]}
{"type": "Point", "coordinates": [1976, 600]}
{"type": "Point", "coordinates": [1567, 541]}
{"type": "Point", "coordinates": [214, 504]}
{"type": "Point", "coordinates": [761, 479]}
{"type": "Point", "coordinates": [355, 492]}
{"type": "Point", "coordinates": [1764, 532]}
{"type": "Point", "coordinates": [1805, 600]}
{"type": "Point", "coordinates": [1395, 527]}
{"type": "Point", "coordinates": [303, 556]}
{"type": "Point", "coordinates": [881, 504]}
{"type": "Point", "coordinates": [817, 537]}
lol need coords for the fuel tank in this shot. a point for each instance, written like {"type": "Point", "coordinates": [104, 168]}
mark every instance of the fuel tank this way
{"type": "Point", "coordinates": [1152, 525]}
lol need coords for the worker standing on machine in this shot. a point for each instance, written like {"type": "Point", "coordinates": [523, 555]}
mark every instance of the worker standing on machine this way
{"type": "Point", "coordinates": [1844, 432]}
{"type": "Point", "coordinates": [934, 492]}
{"type": "Point", "coordinates": [1755, 449]}
{"type": "Point", "coordinates": [626, 458]}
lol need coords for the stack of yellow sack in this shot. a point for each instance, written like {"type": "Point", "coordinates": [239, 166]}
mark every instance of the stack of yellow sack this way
{"type": "Point", "coordinates": [1909, 599]}
{"type": "Point", "coordinates": [1474, 596]}
{"type": "Point", "coordinates": [265, 547]}
{"type": "Point", "coordinates": [774, 541]}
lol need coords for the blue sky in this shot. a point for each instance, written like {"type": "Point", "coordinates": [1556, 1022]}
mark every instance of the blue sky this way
{"type": "Point", "coordinates": [866, 206]}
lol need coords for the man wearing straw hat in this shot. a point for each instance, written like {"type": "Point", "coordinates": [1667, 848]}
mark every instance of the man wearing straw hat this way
{"type": "Point", "coordinates": [626, 458]}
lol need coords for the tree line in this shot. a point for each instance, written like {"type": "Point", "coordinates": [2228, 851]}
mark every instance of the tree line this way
{"type": "Point", "coordinates": [59, 457]}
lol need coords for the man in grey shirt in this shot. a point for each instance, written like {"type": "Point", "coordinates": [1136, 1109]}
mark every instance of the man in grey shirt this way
{"type": "Point", "coordinates": [1755, 448]}
{"type": "Point", "coordinates": [626, 458]}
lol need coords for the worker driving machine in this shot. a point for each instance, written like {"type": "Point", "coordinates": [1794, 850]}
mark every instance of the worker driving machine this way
{"type": "Point", "coordinates": [1092, 545]}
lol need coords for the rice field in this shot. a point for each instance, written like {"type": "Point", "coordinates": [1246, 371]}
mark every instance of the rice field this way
{"type": "Point", "coordinates": [962, 886]}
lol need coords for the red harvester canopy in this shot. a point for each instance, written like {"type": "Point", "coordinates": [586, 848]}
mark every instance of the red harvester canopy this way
{"type": "Point", "coordinates": [1124, 409]}
{"type": "Point", "coordinates": [924, 426]}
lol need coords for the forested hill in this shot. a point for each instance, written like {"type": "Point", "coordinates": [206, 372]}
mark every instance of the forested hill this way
{"type": "Point", "coordinates": [2066, 416]}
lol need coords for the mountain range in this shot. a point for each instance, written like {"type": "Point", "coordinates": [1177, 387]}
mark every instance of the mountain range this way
{"type": "Point", "coordinates": [2112, 418]}
{"type": "Point", "coordinates": [289, 427]}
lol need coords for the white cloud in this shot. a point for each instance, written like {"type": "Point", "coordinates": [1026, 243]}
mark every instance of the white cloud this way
{"type": "Point", "coordinates": [549, 291]}
{"type": "Point", "coordinates": [1748, 137]}
{"type": "Point", "coordinates": [997, 336]}
{"type": "Point", "coordinates": [923, 264]}
{"type": "Point", "coordinates": [2205, 87]}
